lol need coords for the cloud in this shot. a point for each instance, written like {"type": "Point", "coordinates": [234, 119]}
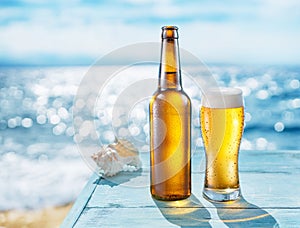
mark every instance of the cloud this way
{"type": "Point", "coordinates": [229, 31]}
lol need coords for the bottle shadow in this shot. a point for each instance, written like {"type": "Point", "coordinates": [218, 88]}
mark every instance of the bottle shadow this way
{"type": "Point", "coordinates": [185, 213]}
{"type": "Point", "coordinates": [241, 213]}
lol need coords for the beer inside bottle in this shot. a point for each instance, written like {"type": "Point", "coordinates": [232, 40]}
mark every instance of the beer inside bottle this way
{"type": "Point", "coordinates": [170, 126]}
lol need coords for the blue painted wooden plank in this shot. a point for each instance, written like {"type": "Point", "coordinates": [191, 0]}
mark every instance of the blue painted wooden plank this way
{"type": "Point", "coordinates": [130, 217]}
{"type": "Point", "coordinates": [188, 217]}
{"type": "Point", "coordinates": [81, 202]}
{"type": "Point", "coordinates": [270, 161]}
{"type": "Point", "coordinates": [249, 161]}
{"type": "Point", "coordinates": [267, 179]}
{"type": "Point", "coordinates": [270, 190]}
{"type": "Point", "coordinates": [269, 183]}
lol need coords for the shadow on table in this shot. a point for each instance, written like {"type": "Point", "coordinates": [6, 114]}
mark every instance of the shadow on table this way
{"type": "Point", "coordinates": [241, 213]}
{"type": "Point", "coordinates": [121, 178]}
{"type": "Point", "coordinates": [185, 213]}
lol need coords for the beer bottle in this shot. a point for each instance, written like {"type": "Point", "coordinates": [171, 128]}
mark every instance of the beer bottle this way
{"type": "Point", "coordinates": [170, 126]}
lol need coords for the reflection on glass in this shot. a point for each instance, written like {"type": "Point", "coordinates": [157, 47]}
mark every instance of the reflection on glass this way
{"type": "Point", "coordinates": [185, 213]}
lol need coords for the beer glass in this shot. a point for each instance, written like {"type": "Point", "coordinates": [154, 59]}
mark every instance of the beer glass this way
{"type": "Point", "coordinates": [222, 124]}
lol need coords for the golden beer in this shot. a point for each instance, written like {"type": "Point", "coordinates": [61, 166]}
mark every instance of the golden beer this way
{"type": "Point", "coordinates": [222, 123]}
{"type": "Point", "coordinates": [170, 127]}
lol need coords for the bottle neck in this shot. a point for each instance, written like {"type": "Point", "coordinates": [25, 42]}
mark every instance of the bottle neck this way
{"type": "Point", "coordinates": [169, 70]}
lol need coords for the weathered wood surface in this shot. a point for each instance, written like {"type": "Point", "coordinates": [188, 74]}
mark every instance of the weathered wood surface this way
{"type": "Point", "coordinates": [270, 183]}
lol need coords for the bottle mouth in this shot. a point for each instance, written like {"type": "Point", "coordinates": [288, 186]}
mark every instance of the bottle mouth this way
{"type": "Point", "coordinates": [169, 32]}
{"type": "Point", "coordinates": [169, 27]}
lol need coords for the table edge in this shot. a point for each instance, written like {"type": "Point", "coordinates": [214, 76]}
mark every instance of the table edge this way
{"type": "Point", "coordinates": [79, 205]}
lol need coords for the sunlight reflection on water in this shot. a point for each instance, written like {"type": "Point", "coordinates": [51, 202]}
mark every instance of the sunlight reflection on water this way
{"type": "Point", "coordinates": [36, 124]}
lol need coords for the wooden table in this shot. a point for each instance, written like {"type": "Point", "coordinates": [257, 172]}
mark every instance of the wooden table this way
{"type": "Point", "coordinates": [270, 183]}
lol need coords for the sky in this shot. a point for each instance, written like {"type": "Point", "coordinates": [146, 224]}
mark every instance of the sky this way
{"type": "Point", "coordinates": [77, 32]}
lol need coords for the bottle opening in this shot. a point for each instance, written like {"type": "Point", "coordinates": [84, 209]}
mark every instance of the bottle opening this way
{"type": "Point", "coordinates": [169, 27]}
{"type": "Point", "coordinates": [169, 32]}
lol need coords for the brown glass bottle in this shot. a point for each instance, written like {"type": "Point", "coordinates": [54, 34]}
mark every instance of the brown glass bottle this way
{"type": "Point", "coordinates": [170, 126]}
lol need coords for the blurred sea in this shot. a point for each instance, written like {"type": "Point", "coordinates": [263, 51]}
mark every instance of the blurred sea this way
{"type": "Point", "coordinates": [40, 163]}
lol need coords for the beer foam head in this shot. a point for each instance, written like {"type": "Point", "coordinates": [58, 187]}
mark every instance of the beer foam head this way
{"type": "Point", "coordinates": [223, 97]}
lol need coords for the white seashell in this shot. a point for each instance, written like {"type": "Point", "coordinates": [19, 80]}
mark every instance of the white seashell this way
{"type": "Point", "coordinates": [117, 157]}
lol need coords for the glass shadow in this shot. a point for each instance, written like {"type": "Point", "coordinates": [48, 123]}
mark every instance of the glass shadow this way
{"type": "Point", "coordinates": [185, 213]}
{"type": "Point", "coordinates": [241, 213]}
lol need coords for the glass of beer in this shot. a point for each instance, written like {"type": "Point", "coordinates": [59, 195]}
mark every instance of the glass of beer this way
{"type": "Point", "coordinates": [222, 124]}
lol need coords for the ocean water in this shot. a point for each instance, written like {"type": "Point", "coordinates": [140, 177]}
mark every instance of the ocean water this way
{"type": "Point", "coordinates": [40, 162]}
